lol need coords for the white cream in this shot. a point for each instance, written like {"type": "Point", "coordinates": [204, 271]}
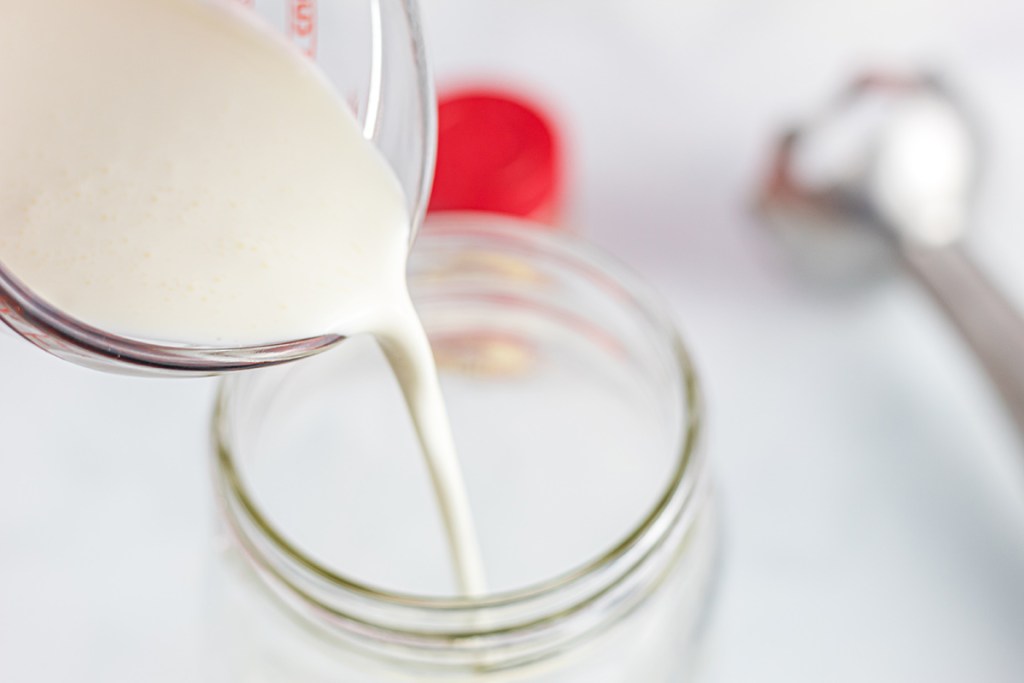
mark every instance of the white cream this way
{"type": "Point", "coordinates": [170, 172]}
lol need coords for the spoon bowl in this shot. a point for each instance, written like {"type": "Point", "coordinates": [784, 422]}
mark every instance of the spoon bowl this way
{"type": "Point", "coordinates": [891, 162]}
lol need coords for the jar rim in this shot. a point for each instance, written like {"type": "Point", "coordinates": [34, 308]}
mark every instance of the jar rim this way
{"type": "Point", "coordinates": [684, 485]}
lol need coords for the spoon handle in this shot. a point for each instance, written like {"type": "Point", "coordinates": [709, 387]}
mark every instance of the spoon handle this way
{"type": "Point", "coordinates": [987, 320]}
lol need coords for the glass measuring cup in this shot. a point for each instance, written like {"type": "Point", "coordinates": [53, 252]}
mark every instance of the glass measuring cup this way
{"type": "Point", "coordinates": [372, 51]}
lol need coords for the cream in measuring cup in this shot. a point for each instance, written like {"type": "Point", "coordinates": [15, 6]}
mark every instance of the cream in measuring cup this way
{"type": "Point", "coordinates": [169, 171]}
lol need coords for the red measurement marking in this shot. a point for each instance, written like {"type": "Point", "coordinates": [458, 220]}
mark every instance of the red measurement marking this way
{"type": "Point", "coordinates": [302, 25]}
{"type": "Point", "coordinates": [246, 3]}
{"type": "Point", "coordinates": [44, 340]}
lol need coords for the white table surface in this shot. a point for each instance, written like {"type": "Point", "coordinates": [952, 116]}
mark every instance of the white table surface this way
{"type": "Point", "coordinates": [873, 490]}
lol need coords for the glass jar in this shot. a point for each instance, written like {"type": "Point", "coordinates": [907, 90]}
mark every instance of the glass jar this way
{"type": "Point", "coordinates": [578, 417]}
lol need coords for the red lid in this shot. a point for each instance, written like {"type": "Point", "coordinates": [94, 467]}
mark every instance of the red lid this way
{"type": "Point", "coordinates": [496, 152]}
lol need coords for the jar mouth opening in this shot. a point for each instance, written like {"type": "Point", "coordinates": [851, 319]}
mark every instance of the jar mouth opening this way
{"type": "Point", "coordinates": [681, 491]}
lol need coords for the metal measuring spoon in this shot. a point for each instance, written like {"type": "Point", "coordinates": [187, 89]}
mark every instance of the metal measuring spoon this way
{"type": "Point", "coordinates": [887, 174]}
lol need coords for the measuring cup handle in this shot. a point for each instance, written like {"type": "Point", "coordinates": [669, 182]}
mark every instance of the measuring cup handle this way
{"type": "Point", "coordinates": [988, 321]}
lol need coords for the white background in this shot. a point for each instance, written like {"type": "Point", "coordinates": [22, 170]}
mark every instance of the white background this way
{"type": "Point", "coordinates": [872, 488]}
